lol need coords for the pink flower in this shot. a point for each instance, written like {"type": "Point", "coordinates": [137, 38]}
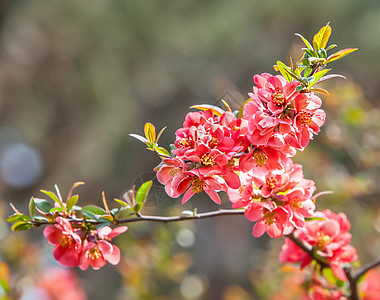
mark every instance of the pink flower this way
{"type": "Point", "coordinates": [60, 284]}
{"type": "Point", "coordinates": [67, 242]}
{"type": "Point", "coordinates": [369, 288]}
{"type": "Point", "coordinates": [274, 222]}
{"type": "Point", "coordinates": [274, 91]}
{"type": "Point", "coordinates": [97, 248]}
{"type": "Point", "coordinates": [317, 292]}
{"type": "Point", "coordinates": [331, 239]}
{"type": "Point", "coordinates": [307, 121]}
{"type": "Point", "coordinates": [170, 173]}
{"type": "Point", "coordinates": [196, 183]}
{"type": "Point", "coordinates": [279, 117]}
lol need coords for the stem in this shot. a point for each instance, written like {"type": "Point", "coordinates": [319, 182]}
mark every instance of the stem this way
{"type": "Point", "coordinates": [352, 282]}
{"type": "Point", "coordinates": [308, 249]}
{"type": "Point", "coordinates": [142, 218]}
{"type": "Point", "coordinates": [366, 268]}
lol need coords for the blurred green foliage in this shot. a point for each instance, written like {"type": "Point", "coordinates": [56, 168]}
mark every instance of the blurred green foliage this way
{"type": "Point", "coordinates": [76, 77]}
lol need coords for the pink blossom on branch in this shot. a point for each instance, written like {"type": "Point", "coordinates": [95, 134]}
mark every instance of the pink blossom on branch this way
{"type": "Point", "coordinates": [67, 242]}
{"type": "Point", "coordinates": [331, 239]}
{"type": "Point", "coordinates": [281, 117]}
{"type": "Point", "coordinates": [277, 201]}
{"type": "Point", "coordinates": [97, 248]}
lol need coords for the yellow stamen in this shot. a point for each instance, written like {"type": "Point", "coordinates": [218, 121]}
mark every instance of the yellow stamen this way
{"type": "Point", "coordinates": [197, 185]}
{"type": "Point", "coordinates": [278, 98]}
{"type": "Point", "coordinates": [207, 160]}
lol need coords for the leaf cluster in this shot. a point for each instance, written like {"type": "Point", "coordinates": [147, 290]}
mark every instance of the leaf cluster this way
{"type": "Point", "coordinates": [310, 68]}
{"type": "Point", "coordinates": [151, 140]}
{"type": "Point", "coordinates": [87, 216]}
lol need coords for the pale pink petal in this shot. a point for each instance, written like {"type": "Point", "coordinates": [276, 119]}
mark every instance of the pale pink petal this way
{"type": "Point", "coordinates": [118, 230]}
{"type": "Point", "coordinates": [258, 229]}
{"type": "Point", "coordinates": [53, 235]}
{"type": "Point", "coordinates": [189, 193]}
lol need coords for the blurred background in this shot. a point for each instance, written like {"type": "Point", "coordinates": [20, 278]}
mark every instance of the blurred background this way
{"type": "Point", "coordinates": [76, 77]}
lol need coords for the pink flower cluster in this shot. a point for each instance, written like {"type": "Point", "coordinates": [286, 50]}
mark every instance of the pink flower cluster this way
{"type": "Point", "coordinates": [277, 201]}
{"type": "Point", "coordinates": [281, 117]}
{"type": "Point", "coordinates": [330, 236]}
{"type": "Point", "coordinates": [204, 156]}
{"type": "Point", "coordinates": [249, 157]}
{"type": "Point", "coordinates": [82, 247]}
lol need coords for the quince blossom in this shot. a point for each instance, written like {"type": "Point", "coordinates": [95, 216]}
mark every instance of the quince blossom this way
{"type": "Point", "coordinates": [277, 201]}
{"type": "Point", "coordinates": [67, 242]}
{"type": "Point", "coordinates": [329, 236]}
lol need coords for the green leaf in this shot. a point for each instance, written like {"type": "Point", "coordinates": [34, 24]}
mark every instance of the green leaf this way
{"type": "Point", "coordinates": [160, 133]}
{"type": "Point", "coordinates": [103, 224]}
{"type": "Point", "coordinates": [216, 110]}
{"type": "Point", "coordinates": [319, 74]}
{"type": "Point", "coordinates": [321, 91]}
{"type": "Point", "coordinates": [107, 218]}
{"type": "Point", "coordinates": [308, 45]}
{"type": "Point", "coordinates": [21, 226]}
{"type": "Point", "coordinates": [284, 70]}
{"type": "Point", "coordinates": [57, 209]}
{"type": "Point", "coordinates": [43, 205]}
{"type": "Point", "coordinates": [331, 47]}
{"type": "Point", "coordinates": [32, 207]}
{"type": "Point", "coordinates": [314, 219]}
{"type": "Point", "coordinates": [150, 132]}
{"type": "Point", "coordinates": [53, 196]}
{"type": "Point", "coordinates": [39, 218]}
{"type": "Point", "coordinates": [162, 151]}
{"type": "Point", "coordinates": [311, 53]}
{"type": "Point", "coordinates": [16, 218]}
{"type": "Point", "coordinates": [71, 202]}
{"type": "Point", "coordinates": [340, 54]}
{"type": "Point", "coordinates": [96, 210]}
{"type": "Point", "coordinates": [89, 215]}
{"type": "Point", "coordinates": [329, 275]}
{"type": "Point", "coordinates": [322, 53]}
{"type": "Point", "coordinates": [142, 194]}
{"type": "Point", "coordinates": [121, 202]}
{"type": "Point", "coordinates": [327, 77]}
{"type": "Point", "coordinates": [113, 212]}
{"type": "Point", "coordinates": [151, 146]}
{"type": "Point", "coordinates": [139, 137]}
{"type": "Point", "coordinates": [322, 37]}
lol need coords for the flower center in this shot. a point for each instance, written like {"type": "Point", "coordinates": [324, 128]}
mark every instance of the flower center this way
{"type": "Point", "coordinates": [213, 142]}
{"type": "Point", "coordinates": [323, 240]}
{"type": "Point", "coordinates": [278, 98]}
{"type": "Point", "coordinates": [260, 157]}
{"type": "Point", "coordinates": [197, 185]}
{"type": "Point", "coordinates": [185, 142]}
{"type": "Point", "coordinates": [66, 240]}
{"type": "Point", "coordinates": [207, 160]}
{"type": "Point", "coordinates": [271, 183]}
{"type": "Point", "coordinates": [94, 253]}
{"type": "Point", "coordinates": [270, 218]}
{"type": "Point", "coordinates": [304, 118]}
{"type": "Point", "coordinates": [296, 204]}
{"type": "Point", "coordinates": [172, 172]}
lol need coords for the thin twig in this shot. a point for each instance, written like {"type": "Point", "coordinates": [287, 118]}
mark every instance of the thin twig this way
{"type": "Point", "coordinates": [366, 268]}
{"type": "Point", "coordinates": [142, 218]}
{"type": "Point", "coordinates": [352, 282]}
{"type": "Point", "coordinates": [308, 249]}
